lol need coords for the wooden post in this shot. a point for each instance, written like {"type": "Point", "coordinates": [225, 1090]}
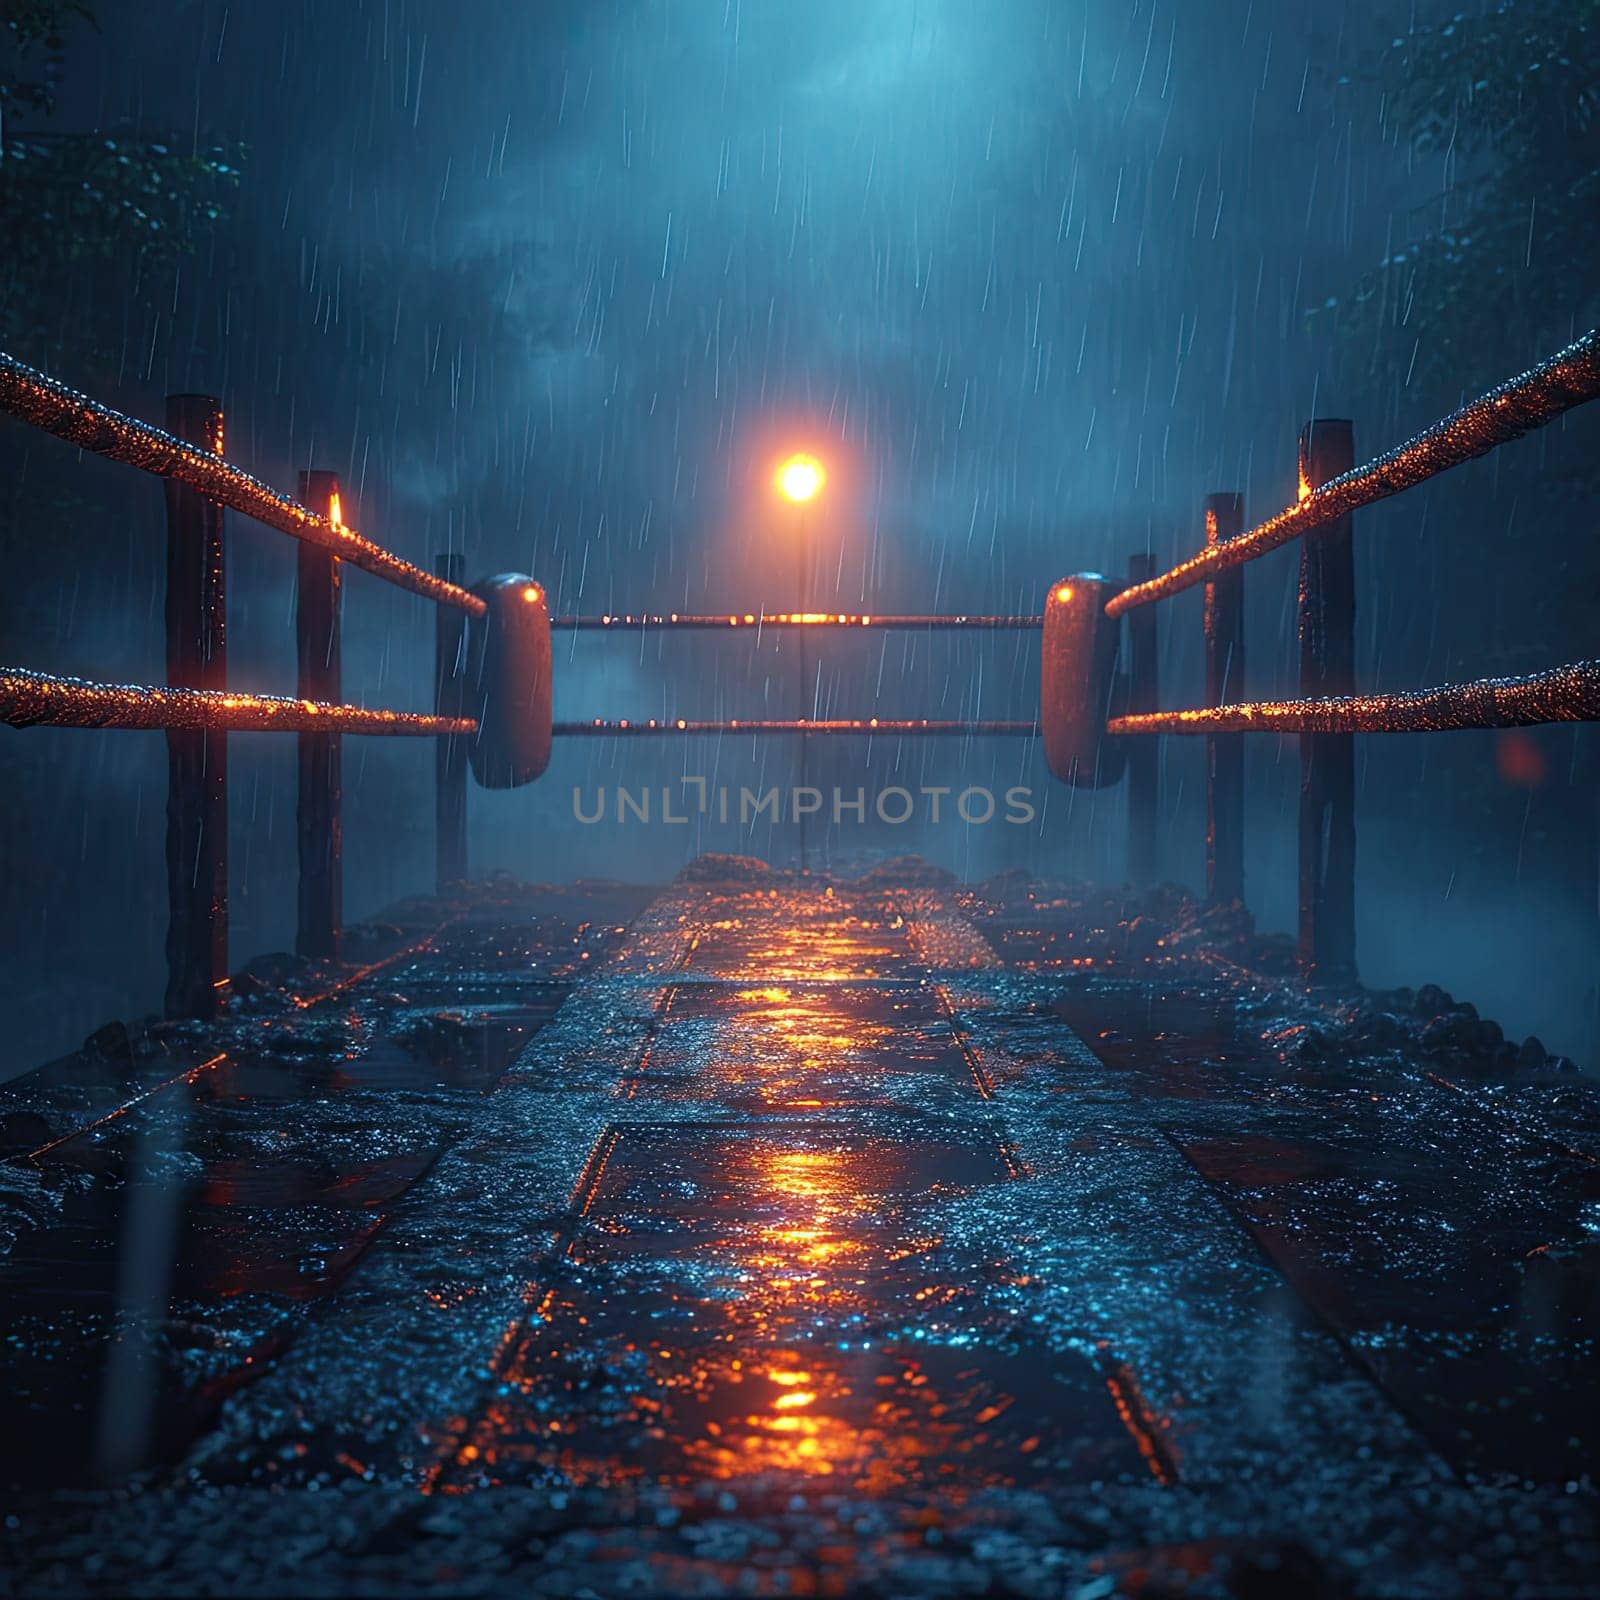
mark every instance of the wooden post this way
{"type": "Point", "coordinates": [1224, 636]}
{"type": "Point", "coordinates": [319, 820]}
{"type": "Point", "coordinates": [1327, 945]}
{"type": "Point", "coordinates": [1144, 753]}
{"type": "Point", "coordinates": [450, 759]}
{"type": "Point", "coordinates": [197, 761]}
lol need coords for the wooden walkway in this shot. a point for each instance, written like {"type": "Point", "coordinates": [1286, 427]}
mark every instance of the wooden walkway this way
{"type": "Point", "coordinates": [786, 1236]}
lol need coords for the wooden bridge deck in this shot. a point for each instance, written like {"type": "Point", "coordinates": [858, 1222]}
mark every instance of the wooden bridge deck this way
{"type": "Point", "coordinates": [793, 1236]}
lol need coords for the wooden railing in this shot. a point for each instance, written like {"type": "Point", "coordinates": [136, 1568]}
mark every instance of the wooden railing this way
{"type": "Point", "coordinates": [1331, 711]}
{"type": "Point", "coordinates": [196, 707]}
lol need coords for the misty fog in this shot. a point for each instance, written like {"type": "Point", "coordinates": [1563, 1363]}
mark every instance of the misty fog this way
{"type": "Point", "coordinates": [554, 284]}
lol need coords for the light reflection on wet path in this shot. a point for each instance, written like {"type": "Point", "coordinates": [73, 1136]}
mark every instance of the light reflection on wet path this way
{"type": "Point", "coordinates": [766, 1237]}
{"type": "Point", "coordinates": [758, 1286]}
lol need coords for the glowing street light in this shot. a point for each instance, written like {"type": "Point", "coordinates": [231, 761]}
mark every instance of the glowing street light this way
{"type": "Point", "coordinates": [800, 479]}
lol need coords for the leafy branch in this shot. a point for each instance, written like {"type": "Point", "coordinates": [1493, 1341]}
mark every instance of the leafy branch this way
{"type": "Point", "coordinates": [1500, 266]}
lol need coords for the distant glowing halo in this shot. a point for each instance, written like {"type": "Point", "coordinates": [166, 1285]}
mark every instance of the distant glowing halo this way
{"type": "Point", "coordinates": [801, 478]}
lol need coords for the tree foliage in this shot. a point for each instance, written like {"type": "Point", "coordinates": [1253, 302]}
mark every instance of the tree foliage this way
{"type": "Point", "coordinates": [87, 216]}
{"type": "Point", "coordinates": [1503, 104]}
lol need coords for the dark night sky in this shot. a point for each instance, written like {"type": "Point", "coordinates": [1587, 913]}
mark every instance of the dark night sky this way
{"type": "Point", "coordinates": [552, 284]}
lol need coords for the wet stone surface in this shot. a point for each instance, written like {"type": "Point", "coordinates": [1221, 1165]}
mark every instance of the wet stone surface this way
{"type": "Point", "coordinates": [780, 1236]}
{"type": "Point", "coordinates": [182, 1209]}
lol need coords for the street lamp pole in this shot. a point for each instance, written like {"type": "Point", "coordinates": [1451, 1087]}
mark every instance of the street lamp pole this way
{"type": "Point", "coordinates": [803, 559]}
{"type": "Point", "coordinates": [800, 480]}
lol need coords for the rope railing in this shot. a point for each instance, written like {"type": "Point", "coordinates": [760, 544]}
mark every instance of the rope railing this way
{"type": "Point", "coordinates": [44, 700]}
{"type": "Point", "coordinates": [795, 619]}
{"type": "Point", "coordinates": [53, 407]}
{"type": "Point", "coordinates": [197, 708]}
{"type": "Point", "coordinates": [515, 723]}
{"type": "Point", "coordinates": [1568, 379]}
{"type": "Point", "coordinates": [867, 726]}
{"type": "Point", "coordinates": [1563, 694]}
{"type": "Point", "coordinates": [1330, 709]}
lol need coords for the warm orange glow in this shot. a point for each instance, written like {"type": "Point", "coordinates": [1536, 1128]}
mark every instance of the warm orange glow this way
{"type": "Point", "coordinates": [40, 699]}
{"type": "Point", "coordinates": [774, 1230]}
{"type": "Point", "coordinates": [761, 1241]}
{"type": "Point", "coordinates": [335, 510]}
{"type": "Point", "coordinates": [801, 478]}
{"type": "Point", "coordinates": [1063, 594]}
{"type": "Point", "coordinates": [1519, 760]}
{"type": "Point", "coordinates": [532, 593]}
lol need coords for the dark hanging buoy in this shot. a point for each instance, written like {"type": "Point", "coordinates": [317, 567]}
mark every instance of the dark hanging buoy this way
{"type": "Point", "coordinates": [1078, 664]}
{"type": "Point", "coordinates": [508, 682]}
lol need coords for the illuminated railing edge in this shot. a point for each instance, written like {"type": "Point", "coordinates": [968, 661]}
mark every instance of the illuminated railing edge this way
{"type": "Point", "coordinates": [44, 403]}
{"type": "Point", "coordinates": [1570, 378]}
{"type": "Point", "coordinates": [1561, 694]}
{"type": "Point", "coordinates": [43, 699]}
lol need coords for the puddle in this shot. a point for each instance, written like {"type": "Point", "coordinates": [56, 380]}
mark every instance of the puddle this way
{"type": "Point", "coordinates": [746, 1301]}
